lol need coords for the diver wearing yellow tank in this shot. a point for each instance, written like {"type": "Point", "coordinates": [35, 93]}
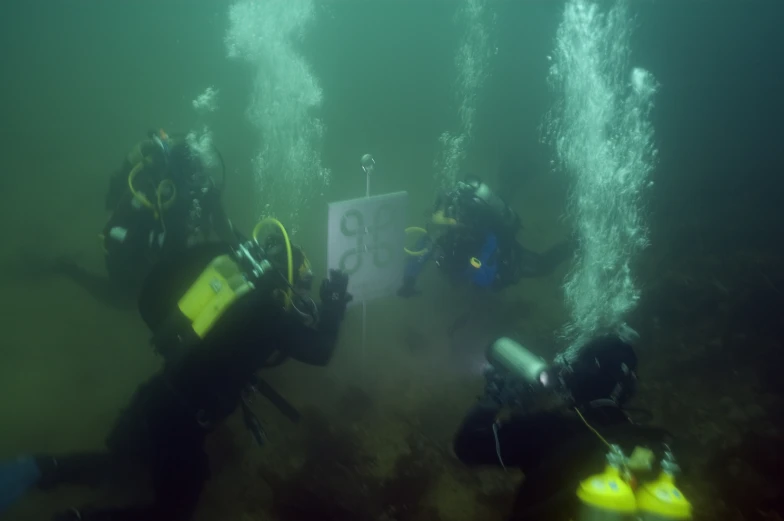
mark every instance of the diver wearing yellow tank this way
{"type": "Point", "coordinates": [218, 314]}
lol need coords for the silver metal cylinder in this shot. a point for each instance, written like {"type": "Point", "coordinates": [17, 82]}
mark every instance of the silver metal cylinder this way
{"type": "Point", "coordinates": [507, 355]}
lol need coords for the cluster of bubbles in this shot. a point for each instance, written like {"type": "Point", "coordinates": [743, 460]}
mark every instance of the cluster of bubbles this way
{"type": "Point", "coordinates": [200, 142]}
{"type": "Point", "coordinates": [207, 101]}
{"type": "Point", "coordinates": [288, 165]}
{"type": "Point", "coordinates": [604, 140]}
{"type": "Point", "coordinates": [472, 63]}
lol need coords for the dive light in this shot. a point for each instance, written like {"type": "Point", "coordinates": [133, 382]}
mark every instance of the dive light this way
{"type": "Point", "coordinates": [512, 358]}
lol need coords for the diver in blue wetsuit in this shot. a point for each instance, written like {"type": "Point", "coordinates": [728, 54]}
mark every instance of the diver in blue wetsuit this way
{"type": "Point", "coordinates": [476, 241]}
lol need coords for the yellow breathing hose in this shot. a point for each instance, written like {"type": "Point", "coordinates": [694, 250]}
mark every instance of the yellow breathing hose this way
{"type": "Point", "coordinates": [161, 206]}
{"type": "Point", "coordinates": [415, 229]}
{"type": "Point", "coordinates": [289, 255]}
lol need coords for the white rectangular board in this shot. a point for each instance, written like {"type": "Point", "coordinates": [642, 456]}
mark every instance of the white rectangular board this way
{"type": "Point", "coordinates": [365, 238]}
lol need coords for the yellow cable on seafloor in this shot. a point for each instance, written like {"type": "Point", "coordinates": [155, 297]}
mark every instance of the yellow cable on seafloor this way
{"type": "Point", "coordinates": [419, 253]}
{"type": "Point", "coordinates": [289, 255]}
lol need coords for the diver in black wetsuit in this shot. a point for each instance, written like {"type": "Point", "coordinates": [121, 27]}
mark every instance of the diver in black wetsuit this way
{"type": "Point", "coordinates": [218, 315]}
{"type": "Point", "coordinates": [555, 447]}
{"type": "Point", "coordinates": [477, 242]}
{"type": "Point", "coordinates": [162, 200]}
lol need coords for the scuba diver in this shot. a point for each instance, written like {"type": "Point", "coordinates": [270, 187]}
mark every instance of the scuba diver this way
{"type": "Point", "coordinates": [217, 314]}
{"type": "Point", "coordinates": [476, 240]}
{"type": "Point", "coordinates": [162, 200]}
{"type": "Point", "coordinates": [557, 422]}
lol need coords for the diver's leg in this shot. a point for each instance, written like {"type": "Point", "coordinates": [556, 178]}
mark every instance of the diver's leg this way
{"type": "Point", "coordinates": [127, 271]}
{"type": "Point", "coordinates": [414, 267]}
{"type": "Point", "coordinates": [177, 491]}
{"type": "Point", "coordinates": [127, 264]}
{"type": "Point", "coordinates": [172, 450]}
{"type": "Point", "coordinates": [179, 478]}
{"type": "Point", "coordinates": [47, 472]}
{"type": "Point", "coordinates": [17, 476]}
{"type": "Point", "coordinates": [180, 469]}
{"type": "Point", "coordinates": [530, 264]}
{"type": "Point", "coordinates": [91, 469]}
{"type": "Point", "coordinates": [557, 255]}
{"type": "Point", "coordinates": [99, 287]}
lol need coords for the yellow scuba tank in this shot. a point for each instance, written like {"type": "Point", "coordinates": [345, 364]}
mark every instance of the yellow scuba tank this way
{"type": "Point", "coordinates": [610, 495]}
{"type": "Point", "coordinates": [661, 500]}
{"type": "Point", "coordinates": [220, 284]}
{"type": "Point", "coordinates": [224, 281]}
{"type": "Point", "coordinates": [607, 496]}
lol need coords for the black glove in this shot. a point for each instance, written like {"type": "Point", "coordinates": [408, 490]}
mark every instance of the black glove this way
{"type": "Point", "coordinates": [334, 292]}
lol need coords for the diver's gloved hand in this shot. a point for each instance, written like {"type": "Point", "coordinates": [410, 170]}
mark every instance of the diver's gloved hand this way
{"type": "Point", "coordinates": [334, 291]}
{"type": "Point", "coordinates": [408, 288]}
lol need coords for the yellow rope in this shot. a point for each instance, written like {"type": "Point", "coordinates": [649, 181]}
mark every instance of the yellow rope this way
{"type": "Point", "coordinates": [591, 428]}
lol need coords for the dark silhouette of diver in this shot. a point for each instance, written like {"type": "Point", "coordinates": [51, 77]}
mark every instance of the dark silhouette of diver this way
{"type": "Point", "coordinates": [218, 314]}
{"type": "Point", "coordinates": [554, 446]}
{"type": "Point", "coordinates": [162, 200]}
{"type": "Point", "coordinates": [476, 241]}
{"type": "Point", "coordinates": [472, 237]}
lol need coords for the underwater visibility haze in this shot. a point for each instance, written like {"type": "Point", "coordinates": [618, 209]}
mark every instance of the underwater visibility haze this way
{"type": "Point", "coordinates": [589, 195]}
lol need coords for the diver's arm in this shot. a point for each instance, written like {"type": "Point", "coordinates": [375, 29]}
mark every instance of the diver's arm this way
{"type": "Point", "coordinates": [315, 345]}
{"type": "Point", "coordinates": [474, 442]}
{"type": "Point", "coordinates": [439, 218]}
{"type": "Point", "coordinates": [439, 208]}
